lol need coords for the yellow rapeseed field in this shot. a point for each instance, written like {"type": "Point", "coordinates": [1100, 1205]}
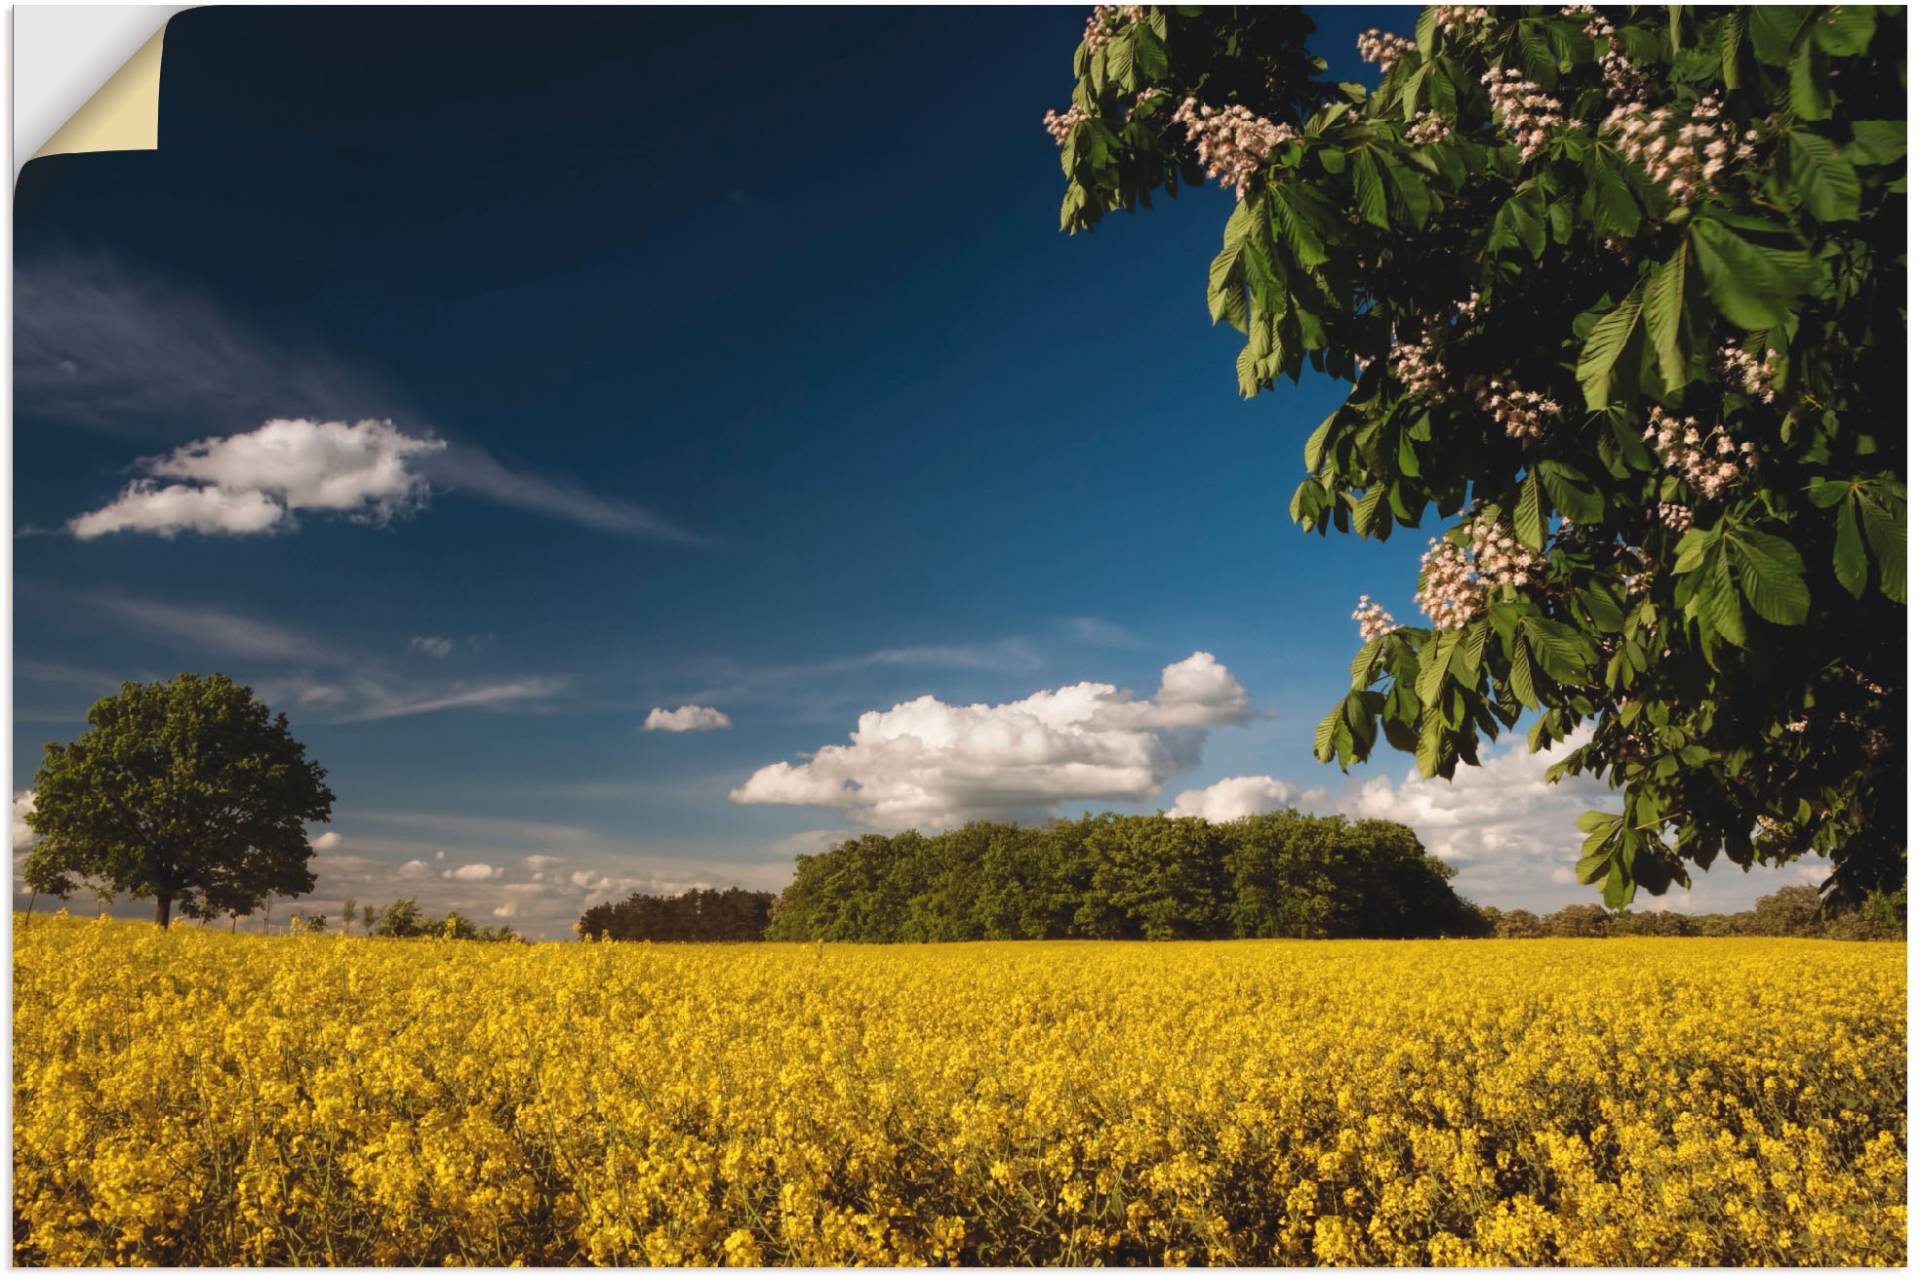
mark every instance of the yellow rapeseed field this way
{"type": "Point", "coordinates": [197, 1097]}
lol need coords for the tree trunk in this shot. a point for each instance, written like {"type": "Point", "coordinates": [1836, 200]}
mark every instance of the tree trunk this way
{"type": "Point", "coordinates": [162, 910]}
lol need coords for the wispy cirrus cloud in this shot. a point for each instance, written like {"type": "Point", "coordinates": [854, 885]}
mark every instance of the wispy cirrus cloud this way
{"type": "Point", "coordinates": [318, 677]}
{"type": "Point", "coordinates": [98, 347]}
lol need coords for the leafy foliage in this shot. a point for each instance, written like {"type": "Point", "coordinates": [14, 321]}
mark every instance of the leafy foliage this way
{"type": "Point", "coordinates": [1681, 232]}
{"type": "Point", "coordinates": [187, 791]}
{"type": "Point", "coordinates": [1117, 878]}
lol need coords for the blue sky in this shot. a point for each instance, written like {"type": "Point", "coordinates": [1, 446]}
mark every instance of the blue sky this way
{"type": "Point", "coordinates": [758, 377]}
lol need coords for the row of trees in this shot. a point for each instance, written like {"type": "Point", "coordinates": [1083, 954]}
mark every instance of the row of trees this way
{"type": "Point", "coordinates": [701, 914]}
{"type": "Point", "coordinates": [1791, 912]}
{"type": "Point", "coordinates": [1276, 875]}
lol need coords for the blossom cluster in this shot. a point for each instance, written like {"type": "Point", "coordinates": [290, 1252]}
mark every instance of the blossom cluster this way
{"type": "Point", "coordinates": [1524, 110]}
{"type": "Point", "coordinates": [1383, 48]}
{"type": "Point", "coordinates": [1060, 124]}
{"type": "Point", "coordinates": [1374, 619]}
{"type": "Point", "coordinates": [1232, 141]}
{"type": "Point", "coordinates": [1689, 154]}
{"type": "Point", "coordinates": [1418, 367]}
{"type": "Point", "coordinates": [1624, 82]}
{"type": "Point", "coordinates": [1106, 19]}
{"type": "Point", "coordinates": [1744, 371]}
{"type": "Point", "coordinates": [1709, 461]}
{"type": "Point", "coordinates": [1523, 415]}
{"type": "Point", "coordinates": [1455, 579]}
{"type": "Point", "coordinates": [1457, 17]}
{"type": "Point", "coordinates": [1676, 516]}
{"type": "Point", "coordinates": [1427, 127]}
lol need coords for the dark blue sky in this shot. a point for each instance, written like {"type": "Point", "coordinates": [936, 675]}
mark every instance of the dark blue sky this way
{"type": "Point", "coordinates": [766, 383]}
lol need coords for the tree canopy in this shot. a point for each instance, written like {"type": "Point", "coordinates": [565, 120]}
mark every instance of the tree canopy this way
{"type": "Point", "coordinates": [1122, 878]}
{"type": "Point", "coordinates": [1620, 294]}
{"type": "Point", "coordinates": [188, 791]}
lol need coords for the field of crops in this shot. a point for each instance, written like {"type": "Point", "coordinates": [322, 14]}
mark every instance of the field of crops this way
{"type": "Point", "coordinates": [198, 1097]}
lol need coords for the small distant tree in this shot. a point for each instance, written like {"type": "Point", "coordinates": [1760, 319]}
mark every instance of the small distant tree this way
{"type": "Point", "coordinates": [308, 924]}
{"type": "Point", "coordinates": [1520, 923]}
{"type": "Point", "coordinates": [346, 915]}
{"type": "Point", "coordinates": [367, 917]}
{"type": "Point", "coordinates": [103, 896]}
{"type": "Point", "coordinates": [402, 918]}
{"type": "Point", "coordinates": [188, 791]}
{"type": "Point", "coordinates": [1790, 912]}
{"type": "Point", "coordinates": [1578, 921]}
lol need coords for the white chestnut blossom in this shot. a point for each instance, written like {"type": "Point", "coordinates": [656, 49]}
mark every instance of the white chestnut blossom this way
{"type": "Point", "coordinates": [1417, 365]}
{"type": "Point", "coordinates": [1676, 517]}
{"type": "Point", "coordinates": [1457, 17]}
{"type": "Point", "coordinates": [1106, 20]}
{"type": "Point", "coordinates": [1526, 111]}
{"type": "Point", "coordinates": [1624, 83]}
{"type": "Point", "coordinates": [1689, 154]}
{"type": "Point", "coordinates": [1428, 127]}
{"type": "Point", "coordinates": [1523, 415]}
{"type": "Point", "coordinates": [1374, 619]}
{"type": "Point", "coordinates": [1456, 580]}
{"type": "Point", "coordinates": [1060, 124]}
{"type": "Point", "coordinates": [1741, 370]}
{"type": "Point", "coordinates": [1232, 141]}
{"type": "Point", "coordinates": [1709, 461]}
{"type": "Point", "coordinates": [1383, 48]}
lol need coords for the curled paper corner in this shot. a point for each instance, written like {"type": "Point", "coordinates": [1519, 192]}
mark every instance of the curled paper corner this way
{"type": "Point", "coordinates": [123, 114]}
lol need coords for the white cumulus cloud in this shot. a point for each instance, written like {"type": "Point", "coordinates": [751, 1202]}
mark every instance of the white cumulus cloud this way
{"type": "Point", "coordinates": [431, 645]}
{"type": "Point", "coordinates": [257, 481]}
{"type": "Point", "coordinates": [330, 840]}
{"type": "Point", "coordinates": [687, 719]}
{"type": "Point", "coordinates": [23, 834]}
{"type": "Point", "coordinates": [473, 873]}
{"type": "Point", "coordinates": [1231, 798]}
{"type": "Point", "coordinates": [930, 764]}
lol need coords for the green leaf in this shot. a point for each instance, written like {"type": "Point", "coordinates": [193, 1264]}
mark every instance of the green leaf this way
{"type": "Point", "coordinates": [1317, 442]}
{"type": "Point", "coordinates": [1731, 36]}
{"type": "Point", "coordinates": [1603, 347]}
{"type": "Point", "coordinates": [1520, 676]}
{"type": "Point", "coordinates": [1772, 575]}
{"type": "Point", "coordinates": [1226, 278]}
{"type": "Point", "coordinates": [1692, 550]}
{"type": "Point", "coordinates": [1573, 494]}
{"type": "Point", "coordinates": [1878, 142]}
{"type": "Point", "coordinates": [1844, 30]}
{"type": "Point", "coordinates": [1849, 552]}
{"type": "Point", "coordinates": [1807, 87]}
{"type": "Point", "coordinates": [1666, 305]}
{"type": "Point", "coordinates": [1887, 534]}
{"type": "Point", "coordinates": [1719, 602]}
{"type": "Point", "coordinates": [1825, 181]}
{"type": "Point", "coordinates": [1323, 735]}
{"type": "Point", "coordinates": [1774, 28]}
{"type": "Point", "coordinates": [1425, 29]}
{"type": "Point", "coordinates": [1433, 665]}
{"type": "Point", "coordinates": [1362, 669]}
{"type": "Point", "coordinates": [1370, 190]}
{"type": "Point", "coordinates": [1529, 521]}
{"type": "Point", "coordinates": [1754, 287]}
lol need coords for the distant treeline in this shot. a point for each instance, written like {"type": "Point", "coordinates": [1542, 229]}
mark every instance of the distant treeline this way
{"type": "Point", "coordinates": [1791, 912]}
{"type": "Point", "coordinates": [704, 914]}
{"type": "Point", "coordinates": [1276, 875]}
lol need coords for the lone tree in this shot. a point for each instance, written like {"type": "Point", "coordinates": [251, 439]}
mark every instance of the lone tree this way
{"type": "Point", "coordinates": [1625, 290]}
{"type": "Point", "coordinates": [188, 791]}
